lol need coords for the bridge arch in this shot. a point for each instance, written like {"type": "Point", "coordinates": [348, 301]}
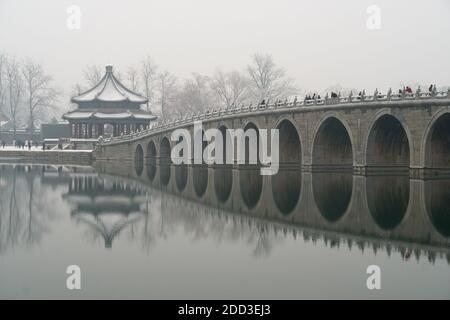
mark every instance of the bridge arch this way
{"type": "Point", "coordinates": [181, 171]}
{"type": "Point", "coordinates": [223, 174]}
{"type": "Point", "coordinates": [250, 125]}
{"type": "Point", "coordinates": [435, 151]}
{"type": "Point", "coordinates": [290, 143]}
{"type": "Point", "coordinates": [388, 142]}
{"type": "Point", "coordinates": [139, 160]}
{"type": "Point", "coordinates": [151, 160]}
{"type": "Point", "coordinates": [199, 171]}
{"type": "Point", "coordinates": [164, 161]}
{"type": "Point", "coordinates": [333, 143]}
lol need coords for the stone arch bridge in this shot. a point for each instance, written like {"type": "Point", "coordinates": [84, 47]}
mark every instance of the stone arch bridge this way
{"type": "Point", "coordinates": [395, 132]}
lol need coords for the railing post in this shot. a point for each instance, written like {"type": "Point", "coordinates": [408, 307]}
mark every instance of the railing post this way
{"type": "Point", "coordinates": [418, 93]}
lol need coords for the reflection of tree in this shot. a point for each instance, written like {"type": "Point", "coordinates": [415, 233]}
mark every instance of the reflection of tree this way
{"type": "Point", "coordinates": [25, 209]}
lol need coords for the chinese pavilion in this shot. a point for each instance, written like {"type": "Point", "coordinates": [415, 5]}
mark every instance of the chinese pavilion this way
{"type": "Point", "coordinates": [108, 109]}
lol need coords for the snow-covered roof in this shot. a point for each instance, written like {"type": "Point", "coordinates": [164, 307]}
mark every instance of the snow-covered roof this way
{"type": "Point", "coordinates": [119, 115]}
{"type": "Point", "coordinates": [109, 89]}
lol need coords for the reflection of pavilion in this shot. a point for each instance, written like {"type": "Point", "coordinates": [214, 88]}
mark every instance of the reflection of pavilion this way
{"type": "Point", "coordinates": [106, 206]}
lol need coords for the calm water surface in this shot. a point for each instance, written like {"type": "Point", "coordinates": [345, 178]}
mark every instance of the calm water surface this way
{"type": "Point", "coordinates": [195, 232]}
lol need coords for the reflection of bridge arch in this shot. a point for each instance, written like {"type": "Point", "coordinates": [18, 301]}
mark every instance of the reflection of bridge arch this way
{"type": "Point", "coordinates": [436, 141]}
{"type": "Point", "coordinates": [333, 145]}
{"type": "Point", "coordinates": [251, 185]}
{"type": "Point", "coordinates": [164, 171]}
{"type": "Point", "coordinates": [181, 176]}
{"type": "Point", "coordinates": [332, 194]}
{"type": "Point", "coordinates": [388, 142]}
{"type": "Point", "coordinates": [151, 160]}
{"type": "Point", "coordinates": [200, 179]}
{"type": "Point", "coordinates": [223, 183]}
{"type": "Point", "coordinates": [139, 160]}
{"type": "Point", "coordinates": [290, 146]}
{"type": "Point", "coordinates": [286, 189]}
{"type": "Point", "coordinates": [388, 199]}
{"type": "Point", "coordinates": [437, 205]}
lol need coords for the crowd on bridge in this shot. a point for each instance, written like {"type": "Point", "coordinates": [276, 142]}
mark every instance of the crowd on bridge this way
{"type": "Point", "coordinates": [333, 95]}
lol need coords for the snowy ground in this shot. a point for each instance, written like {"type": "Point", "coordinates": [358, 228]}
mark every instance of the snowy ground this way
{"type": "Point", "coordinates": [10, 148]}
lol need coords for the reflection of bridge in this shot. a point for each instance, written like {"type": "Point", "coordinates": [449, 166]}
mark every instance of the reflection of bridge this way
{"type": "Point", "coordinates": [380, 131]}
{"type": "Point", "coordinates": [382, 210]}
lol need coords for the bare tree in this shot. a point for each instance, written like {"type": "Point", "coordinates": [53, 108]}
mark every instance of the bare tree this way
{"type": "Point", "coordinates": [40, 93]}
{"type": "Point", "coordinates": [231, 88]}
{"type": "Point", "coordinates": [196, 95]}
{"type": "Point", "coordinates": [148, 77]}
{"type": "Point", "coordinates": [133, 78]}
{"type": "Point", "coordinates": [269, 82]}
{"type": "Point", "coordinates": [15, 87]}
{"type": "Point", "coordinates": [93, 74]}
{"type": "Point", "coordinates": [2, 82]}
{"type": "Point", "coordinates": [167, 88]}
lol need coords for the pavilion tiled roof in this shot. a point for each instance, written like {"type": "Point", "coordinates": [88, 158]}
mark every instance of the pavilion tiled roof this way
{"type": "Point", "coordinates": [109, 89]}
{"type": "Point", "coordinates": [108, 114]}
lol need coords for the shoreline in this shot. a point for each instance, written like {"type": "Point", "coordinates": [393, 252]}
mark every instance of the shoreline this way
{"type": "Point", "coordinates": [68, 157]}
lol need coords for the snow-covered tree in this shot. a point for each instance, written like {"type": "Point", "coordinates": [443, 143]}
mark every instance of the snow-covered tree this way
{"type": "Point", "coordinates": [93, 74]}
{"type": "Point", "coordinates": [39, 90]}
{"type": "Point", "coordinates": [231, 88]}
{"type": "Point", "coordinates": [15, 90]}
{"type": "Point", "coordinates": [168, 90]}
{"type": "Point", "coordinates": [269, 82]}
{"type": "Point", "coordinates": [148, 78]}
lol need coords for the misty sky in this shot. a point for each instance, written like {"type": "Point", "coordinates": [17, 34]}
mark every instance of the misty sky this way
{"type": "Point", "coordinates": [319, 43]}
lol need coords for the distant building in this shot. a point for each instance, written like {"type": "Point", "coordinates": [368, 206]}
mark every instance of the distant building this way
{"type": "Point", "coordinates": [107, 109]}
{"type": "Point", "coordinates": [55, 130]}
